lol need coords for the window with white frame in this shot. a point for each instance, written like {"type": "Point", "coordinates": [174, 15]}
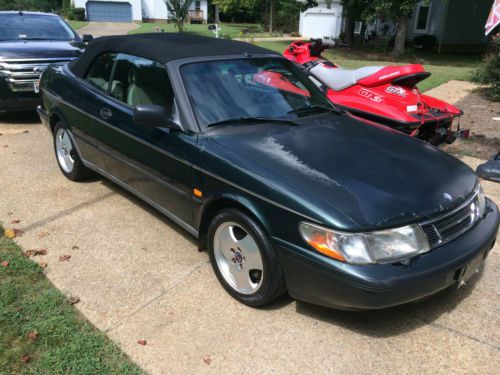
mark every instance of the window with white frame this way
{"type": "Point", "coordinates": [422, 17]}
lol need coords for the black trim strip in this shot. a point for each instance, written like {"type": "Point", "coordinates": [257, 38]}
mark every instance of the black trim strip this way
{"type": "Point", "coordinates": [164, 211]}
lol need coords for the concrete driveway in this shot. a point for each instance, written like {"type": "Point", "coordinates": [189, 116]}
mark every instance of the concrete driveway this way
{"type": "Point", "coordinates": [141, 277]}
{"type": "Point", "coordinates": [107, 28]}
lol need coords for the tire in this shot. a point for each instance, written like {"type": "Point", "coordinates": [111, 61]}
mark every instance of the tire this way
{"type": "Point", "coordinates": [235, 245]}
{"type": "Point", "coordinates": [67, 157]}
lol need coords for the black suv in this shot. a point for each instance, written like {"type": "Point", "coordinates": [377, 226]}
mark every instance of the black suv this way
{"type": "Point", "coordinates": [29, 42]}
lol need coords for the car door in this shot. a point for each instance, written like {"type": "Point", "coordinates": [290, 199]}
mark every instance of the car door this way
{"type": "Point", "coordinates": [152, 162]}
{"type": "Point", "coordinates": [83, 100]}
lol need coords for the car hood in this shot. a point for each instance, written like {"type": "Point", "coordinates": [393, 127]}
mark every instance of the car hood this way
{"type": "Point", "coordinates": [39, 49]}
{"type": "Point", "coordinates": [378, 178]}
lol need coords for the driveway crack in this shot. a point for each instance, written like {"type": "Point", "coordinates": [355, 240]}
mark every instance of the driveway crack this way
{"type": "Point", "coordinates": [68, 211]}
{"type": "Point", "coordinates": [454, 331]}
{"type": "Point", "coordinates": [164, 292]}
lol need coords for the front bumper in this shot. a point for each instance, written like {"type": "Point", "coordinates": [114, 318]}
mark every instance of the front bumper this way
{"type": "Point", "coordinates": [313, 278]}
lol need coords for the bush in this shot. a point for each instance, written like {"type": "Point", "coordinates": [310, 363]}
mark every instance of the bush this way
{"type": "Point", "coordinates": [69, 14]}
{"type": "Point", "coordinates": [225, 36]}
{"type": "Point", "coordinates": [426, 42]}
{"type": "Point", "coordinates": [66, 7]}
{"type": "Point", "coordinates": [489, 72]}
{"type": "Point", "coordinates": [287, 17]}
{"type": "Point", "coordinates": [79, 14]}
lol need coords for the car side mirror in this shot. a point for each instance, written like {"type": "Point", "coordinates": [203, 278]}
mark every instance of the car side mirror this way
{"type": "Point", "coordinates": [154, 116]}
{"type": "Point", "coordinates": [86, 38]}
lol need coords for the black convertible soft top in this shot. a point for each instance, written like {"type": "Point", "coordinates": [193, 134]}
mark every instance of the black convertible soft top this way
{"type": "Point", "coordinates": [162, 47]}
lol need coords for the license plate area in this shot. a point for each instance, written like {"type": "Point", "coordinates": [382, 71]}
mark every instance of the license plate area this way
{"type": "Point", "coordinates": [464, 274]}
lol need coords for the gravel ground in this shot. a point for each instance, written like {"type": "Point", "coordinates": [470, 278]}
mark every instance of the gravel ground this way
{"type": "Point", "coordinates": [479, 117]}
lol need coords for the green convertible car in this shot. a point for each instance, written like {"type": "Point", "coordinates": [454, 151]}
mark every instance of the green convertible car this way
{"type": "Point", "coordinates": [284, 191]}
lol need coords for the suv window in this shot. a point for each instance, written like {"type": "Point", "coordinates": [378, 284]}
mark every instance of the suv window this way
{"type": "Point", "coordinates": [99, 74]}
{"type": "Point", "coordinates": [22, 26]}
{"type": "Point", "coordinates": [139, 81]}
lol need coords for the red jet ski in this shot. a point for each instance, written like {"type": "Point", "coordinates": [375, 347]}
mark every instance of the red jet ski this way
{"type": "Point", "coordinates": [386, 95]}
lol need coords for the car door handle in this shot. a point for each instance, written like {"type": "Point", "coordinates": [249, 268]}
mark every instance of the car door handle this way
{"type": "Point", "coordinates": [105, 113]}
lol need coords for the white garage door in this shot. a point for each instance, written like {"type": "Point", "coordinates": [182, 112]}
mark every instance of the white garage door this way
{"type": "Point", "coordinates": [109, 11]}
{"type": "Point", "coordinates": [319, 25]}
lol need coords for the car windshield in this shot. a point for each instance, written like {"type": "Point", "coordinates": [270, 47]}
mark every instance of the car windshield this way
{"type": "Point", "coordinates": [250, 88]}
{"type": "Point", "coordinates": [18, 26]}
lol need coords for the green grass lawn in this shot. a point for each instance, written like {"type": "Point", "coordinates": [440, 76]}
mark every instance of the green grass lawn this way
{"type": "Point", "coordinates": [77, 24]}
{"type": "Point", "coordinates": [64, 343]}
{"type": "Point", "coordinates": [444, 67]}
{"type": "Point", "coordinates": [234, 30]}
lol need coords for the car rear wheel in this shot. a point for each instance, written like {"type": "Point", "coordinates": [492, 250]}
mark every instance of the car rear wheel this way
{"type": "Point", "coordinates": [66, 155]}
{"type": "Point", "coordinates": [244, 259]}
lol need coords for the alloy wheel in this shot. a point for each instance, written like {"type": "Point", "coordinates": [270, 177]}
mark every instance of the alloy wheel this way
{"type": "Point", "coordinates": [238, 258]}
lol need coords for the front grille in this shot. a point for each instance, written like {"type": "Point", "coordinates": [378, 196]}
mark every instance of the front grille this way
{"type": "Point", "coordinates": [21, 74]}
{"type": "Point", "coordinates": [452, 224]}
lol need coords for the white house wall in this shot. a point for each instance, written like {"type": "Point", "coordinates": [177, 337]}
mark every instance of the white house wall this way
{"type": "Point", "coordinates": [157, 9]}
{"type": "Point", "coordinates": [136, 6]}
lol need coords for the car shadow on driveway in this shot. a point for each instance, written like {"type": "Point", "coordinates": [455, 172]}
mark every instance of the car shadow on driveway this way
{"type": "Point", "coordinates": [395, 320]}
{"type": "Point", "coordinates": [16, 118]}
{"type": "Point", "coordinates": [146, 207]}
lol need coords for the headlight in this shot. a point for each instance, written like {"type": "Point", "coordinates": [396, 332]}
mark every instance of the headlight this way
{"type": "Point", "coordinates": [363, 248]}
{"type": "Point", "coordinates": [481, 201]}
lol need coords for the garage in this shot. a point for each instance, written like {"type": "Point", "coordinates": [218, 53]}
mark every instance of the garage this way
{"type": "Point", "coordinates": [321, 21]}
{"type": "Point", "coordinates": [109, 11]}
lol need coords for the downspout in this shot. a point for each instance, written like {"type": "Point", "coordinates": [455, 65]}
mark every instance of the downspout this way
{"type": "Point", "coordinates": [443, 26]}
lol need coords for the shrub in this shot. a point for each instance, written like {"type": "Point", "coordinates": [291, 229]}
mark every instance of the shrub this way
{"type": "Point", "coordinates": [489, 72]}
{"type": "Point", "coordinates": [66, 7]}
{"type": "Point", "coordinates": [69, 14]}
{"type": "Point", "coordinates": [426, 42]}
{"type": "Point", "coordinates": [225, 36]}
{"type": "Point", "coordinates": [79, 14]}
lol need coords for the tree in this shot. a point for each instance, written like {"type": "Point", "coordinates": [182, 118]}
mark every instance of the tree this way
{"type": "Point", "coordinates": [356, 10]}
{"type": "Point", "coordinates": [179, 10]}
{"type": "Point", "coordinates": [66, 6]}
{"type": "Point", "coordinates": [33, 5]}
{"type": "Point", "coordinates": [399, 10]}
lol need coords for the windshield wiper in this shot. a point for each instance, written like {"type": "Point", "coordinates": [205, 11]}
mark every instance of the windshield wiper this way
{"type": "Point", "coordinates": [313, 108]}
{"type": "Point", "coordinates": [35, 38]}
{"type": "Point", "coordinates": [253, 120]}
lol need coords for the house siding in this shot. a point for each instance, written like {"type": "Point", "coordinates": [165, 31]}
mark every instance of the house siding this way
{"type": "Point", "coordinates": [465, 22]}
{"type": "Point", "coordinates": [157, 9]}
{"type": "Point", "coordinates": [436, 20]}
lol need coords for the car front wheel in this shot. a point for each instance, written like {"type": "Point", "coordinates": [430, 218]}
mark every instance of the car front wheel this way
{"type": "Point", "coordinates": [67, 157]}
{"type": "Point", "coordinates": [244, 259]}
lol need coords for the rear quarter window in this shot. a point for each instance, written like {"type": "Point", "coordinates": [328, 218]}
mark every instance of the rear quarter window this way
{"type": "Point", "coordinates": [100, 72]}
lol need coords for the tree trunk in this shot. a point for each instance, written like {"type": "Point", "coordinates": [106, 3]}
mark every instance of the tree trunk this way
{"type": "Point", "coordinates": [271, 17]}
{"type": "Point", "coordinates": [349, 30]}
{"type": "Point", "coordinates": [400, 40]}
{"type": "Point", "coordinates": [217, 14]}
{"type": "Point", "coordinates": [362, 34]}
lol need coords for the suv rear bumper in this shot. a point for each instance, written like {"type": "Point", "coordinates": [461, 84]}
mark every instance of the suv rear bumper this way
{"type": "Point", "coordinates": [311, 277]}
{"type": "Point", "coordinates": [19, 104]}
